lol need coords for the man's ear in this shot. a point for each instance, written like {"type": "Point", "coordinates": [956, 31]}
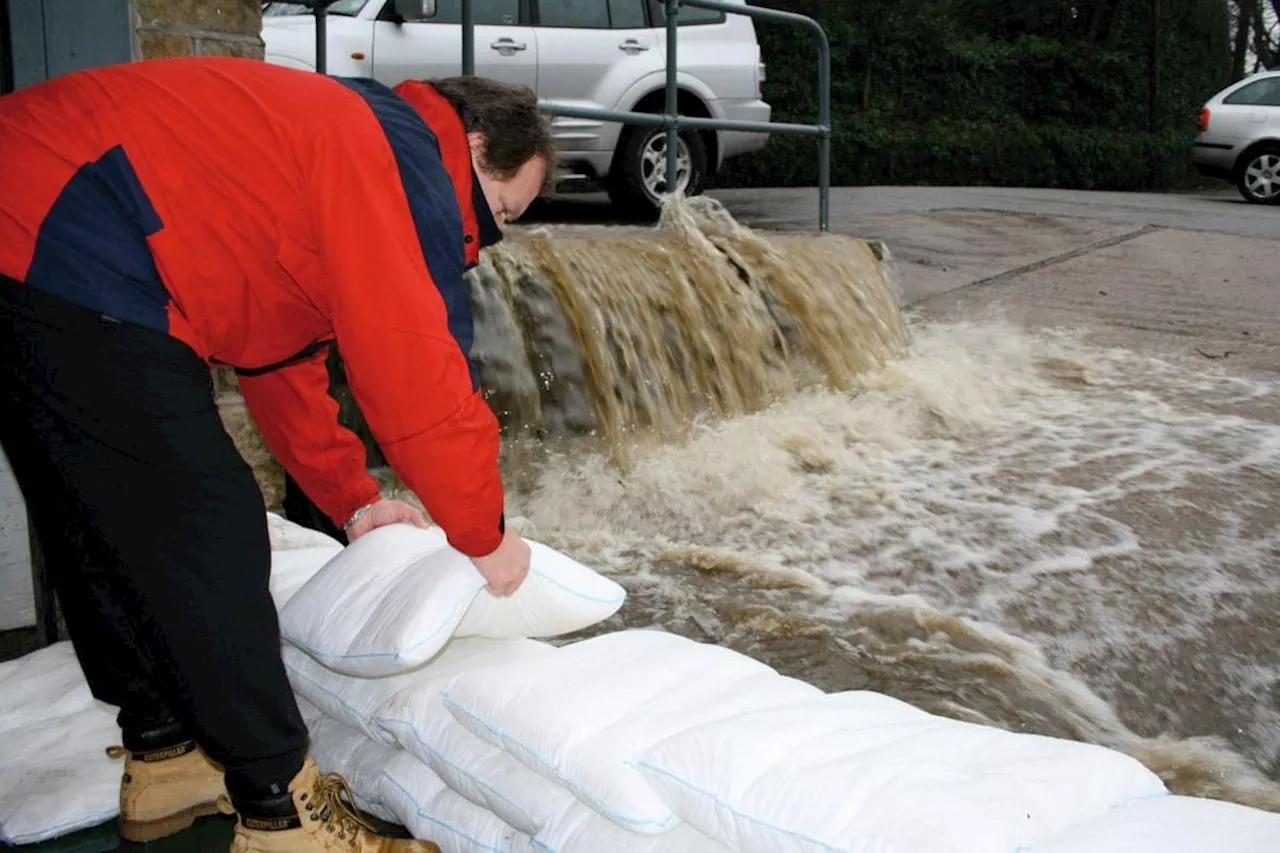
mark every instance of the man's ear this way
{"type": "Point", "coordinates": [476, 140]}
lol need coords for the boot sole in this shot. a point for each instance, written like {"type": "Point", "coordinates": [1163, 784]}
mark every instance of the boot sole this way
{"type": "Point", "coordinates": [143, 831]}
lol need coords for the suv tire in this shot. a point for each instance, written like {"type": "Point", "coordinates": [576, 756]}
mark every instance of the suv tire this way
{"type": "Point", "coordinates": [1258, 175]}
{"type": "Point", "coordinates": [638, 176]}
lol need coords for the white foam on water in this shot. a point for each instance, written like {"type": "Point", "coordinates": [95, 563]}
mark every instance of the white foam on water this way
{"type": "Point", "coordinates": [1003, 526]}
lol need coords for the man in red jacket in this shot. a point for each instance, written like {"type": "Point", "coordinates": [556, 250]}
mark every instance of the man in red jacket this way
{"type": "Point", "coordinates": [160, 217]}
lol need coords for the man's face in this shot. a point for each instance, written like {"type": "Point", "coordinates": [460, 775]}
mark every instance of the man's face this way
{"type": "Point", "coordinates": [508, 198]}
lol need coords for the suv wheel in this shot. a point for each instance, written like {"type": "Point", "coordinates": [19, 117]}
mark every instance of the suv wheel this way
{"type": "Point", "coordinates": [1258, 176]}
{"type": "Point", "coordinates": [638, 178]}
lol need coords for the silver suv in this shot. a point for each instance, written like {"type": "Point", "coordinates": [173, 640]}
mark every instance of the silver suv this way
{"type": "Point", "coordinates": [586, 53]}
{"type": "Point", "coordinates": [1239, 137]}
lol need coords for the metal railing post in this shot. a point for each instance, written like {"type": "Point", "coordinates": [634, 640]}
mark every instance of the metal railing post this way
{"type": "Point", "coordinates": [672, 114]}
{"type": "Point", "coordinates": [824, 122]}
{"type": "Point", "coordinates": [321, 10]}
{"type": "Point", "coordinates": [468, 39]}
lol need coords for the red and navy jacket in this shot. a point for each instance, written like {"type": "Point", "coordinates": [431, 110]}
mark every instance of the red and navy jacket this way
{"type": "Point", "coordinates": [258, 214]}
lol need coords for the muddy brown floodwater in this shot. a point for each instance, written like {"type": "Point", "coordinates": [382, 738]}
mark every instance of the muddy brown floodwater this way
{"type": "Point", "coordinates": [988, 517]}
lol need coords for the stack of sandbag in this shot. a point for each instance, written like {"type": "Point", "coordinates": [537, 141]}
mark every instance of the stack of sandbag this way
{"type": "Point", "coordinates": [658, 734]}
{"type": "Point", "coordinates": [391, 784]}
{"type": "Point", "coordinates": [372, 637]}
{"type": "Point", "coordinates": [375, 636]}
{"type": "Point", "coordinates": [640, 741]}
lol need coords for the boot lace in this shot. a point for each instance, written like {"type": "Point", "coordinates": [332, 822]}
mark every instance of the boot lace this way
{"type": "Point", "coordinates": [115, 753]}
{"type": "Point", "coordinates": [334, 805]}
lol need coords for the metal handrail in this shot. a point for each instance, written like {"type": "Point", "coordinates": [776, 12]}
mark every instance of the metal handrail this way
{"type": "Point", "coordinates": [670, 118]}
{"type": "Point", "coordinates": [673, 121]}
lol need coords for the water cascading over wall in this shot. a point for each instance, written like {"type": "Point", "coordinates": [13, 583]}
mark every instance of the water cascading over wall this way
{"type": "Point", "coordinates": [620, 336]}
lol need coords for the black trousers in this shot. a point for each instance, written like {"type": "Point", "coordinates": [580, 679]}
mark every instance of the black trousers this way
{"type": "Point", "coordinates": [153, 532]}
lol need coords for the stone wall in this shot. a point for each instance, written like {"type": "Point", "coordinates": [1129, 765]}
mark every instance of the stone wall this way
{"type": "Point", "coordinates": [166, 28]}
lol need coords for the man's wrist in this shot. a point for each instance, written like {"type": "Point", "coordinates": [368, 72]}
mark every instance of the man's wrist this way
{"type": "Point", "coordinates": [357, 515]}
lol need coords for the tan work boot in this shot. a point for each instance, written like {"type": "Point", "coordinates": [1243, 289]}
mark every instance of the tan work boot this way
{"type": "Point", "coordinates": [165, 790]}
{"type": "Point", "coordinates": [316, 815]}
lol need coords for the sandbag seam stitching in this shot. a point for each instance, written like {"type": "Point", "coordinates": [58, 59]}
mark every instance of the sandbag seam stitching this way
{"type": "Point", "coordinates": [582, 794]}
{"type": "Point", "coordinates": [380, 721]}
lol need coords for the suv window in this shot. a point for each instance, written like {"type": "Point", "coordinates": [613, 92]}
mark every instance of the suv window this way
{"type": "Point", "coordinates": [627, 14]}
{"type": "Point", "coordinates": [592, 14]}
{"type": "Point", "coordinates": [483, 11]}
{"type": "Point", "coordinates": [1263, 93]}
{"type": "Point", "coordinates": [350, 8]}
{"type": "Point", "coordinates": [586, 14]}
{"type": "Point", "coordinates": [688, 15]}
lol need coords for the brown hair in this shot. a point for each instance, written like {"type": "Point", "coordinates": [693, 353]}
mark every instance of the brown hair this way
{"type": "Point", "coordinates": [515, 130]}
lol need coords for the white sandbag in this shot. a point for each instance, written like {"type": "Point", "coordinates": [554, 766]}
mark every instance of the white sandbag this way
{"type": "Point", "coordinates": [287, 535]}
{"type": "Point", "coordinates": [582, 830]}
{"type": "Point", "coordinates": [43, 685]}
{"type": "Point", "coordinates": [431, 810]}
{"type": "Point", "coordinates": [559, 596]}
{"type": "Point", "coordinates": [297, 553]}
{"type": "Point", "coordinates": [350, 700]}
{"type": "Point", "coordinates": [864, 773]}
{"type": "Point", "coordinates": [56, 777]}
{"type": "Point", "coordinates": [580, 715]}
{"type": "Point", "coordinates": [293, 567]}
{"type": "Point", "coordinates": [338, 748]}
{"type": "Point", "coordinates": [396, 595]}
{"type": "Point", "coordinates": [53, 738]}
{"type": "Point", "coordinates": [477, 771]}
{"type": "Point", "coordinates": [358, 701]}
{"type": "Point", "coordinates": [394, 786]}
{"type": "Point", "coordinates": [407, 711]}
{"type": "Point", "coordinates": [1172, 824]}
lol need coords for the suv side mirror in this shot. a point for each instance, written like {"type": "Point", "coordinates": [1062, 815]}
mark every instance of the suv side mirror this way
{"type": "Point", "coordinates": [415, 10]}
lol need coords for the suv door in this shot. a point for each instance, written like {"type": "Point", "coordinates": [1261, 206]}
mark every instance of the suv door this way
{"type": "Point", "coordinates": [591, 52]}
{"type": "Point", "coordinates": [505, 45]}
{"type": "Point", "coordinates": [716, 48]}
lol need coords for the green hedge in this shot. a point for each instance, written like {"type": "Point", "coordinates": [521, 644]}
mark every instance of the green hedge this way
{"type": "Point", "coordinates": [1034, 93]}
{"type": "Point", "coordinates": [977, 153]}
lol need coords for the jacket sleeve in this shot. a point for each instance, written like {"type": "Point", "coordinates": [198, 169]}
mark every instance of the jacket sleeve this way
{"type": "Point", "coordinates": [391, 247]}
{"type": "Point", "coordinates": [299, 421]}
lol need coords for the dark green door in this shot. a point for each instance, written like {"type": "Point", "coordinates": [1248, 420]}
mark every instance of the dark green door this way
{"type": "Point", "coordinates": [51, 37]}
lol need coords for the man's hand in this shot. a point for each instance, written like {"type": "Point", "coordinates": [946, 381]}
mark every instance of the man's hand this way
{"type": "Point", "coordinates": [385, 512]}
{"type": "Point", "coordinates": [505, 568]}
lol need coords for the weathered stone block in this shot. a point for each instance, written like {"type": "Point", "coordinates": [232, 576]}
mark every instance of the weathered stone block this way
{"type": "Point", "coordinates": [267, 470]}
{"type": "Point", "coordinates": [156, 45]}
{"type": "Point", "coordinates": [244, 48]}
{"type": "Point", "coordinates": [225, 382]}
{"type": "Point", "coordinates": [234, 16]}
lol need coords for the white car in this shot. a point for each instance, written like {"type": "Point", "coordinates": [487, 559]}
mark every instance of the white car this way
{"type": "Point", "coordinates": [1239, 138]}
{"type": "Point", "coordinates": [608, 54]}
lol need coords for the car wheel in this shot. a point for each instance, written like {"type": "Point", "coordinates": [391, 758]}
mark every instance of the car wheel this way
{"type": "Point", "coordinates": [638, 179]}
{"type": "Point", "coordinates": [1258, 176]}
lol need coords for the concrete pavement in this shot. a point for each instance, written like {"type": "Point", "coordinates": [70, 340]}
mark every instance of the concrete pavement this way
{"type": "Point", "coordinates": [1221, 211]}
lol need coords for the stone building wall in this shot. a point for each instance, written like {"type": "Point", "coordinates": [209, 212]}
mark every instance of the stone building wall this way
{"type": "Point", "coordinates": [165, 28]}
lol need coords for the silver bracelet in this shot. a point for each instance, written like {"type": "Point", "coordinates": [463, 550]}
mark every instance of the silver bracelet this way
{"type": "Point", "coordinates": [356, 516]}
